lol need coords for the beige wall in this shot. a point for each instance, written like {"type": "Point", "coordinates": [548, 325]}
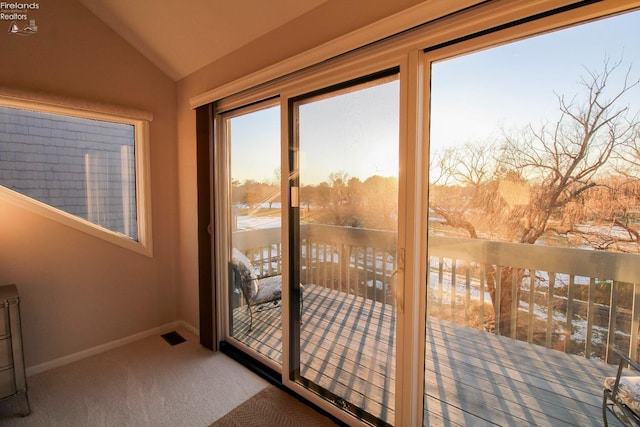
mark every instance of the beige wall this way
{"type": "Point", "coordinates": [79, 291]}
{"type": "Point", "coordinates": [323, 24]}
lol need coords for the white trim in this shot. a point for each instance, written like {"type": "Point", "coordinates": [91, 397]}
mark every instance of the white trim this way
{"type": "Point", "coordinates": [189, 327]}
{"type": "Point", "coordinates": [65, 360]}
{"type": "Point", "coordinates": [69, 220]}
{"type": "Point", "coordinates": [59, 104]}
{"type": "Point", "coordinates": [417, 15]}
{"type": "Point", "coordinates": [142, 160]}
{"type": "Point", "coordinates": [409, 341]}
{"type": "Point", "coordinates": [67, 107]}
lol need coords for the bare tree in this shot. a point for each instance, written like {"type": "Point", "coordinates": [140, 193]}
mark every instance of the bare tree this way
{"type": "Point", "coordinates": [562, 161]}
{"type": "Point", "coordinates": [538, 175]}
{"type": "Point", "coordinates": [460, 185]}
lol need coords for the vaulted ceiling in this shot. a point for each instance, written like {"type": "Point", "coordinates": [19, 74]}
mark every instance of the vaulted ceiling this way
{"type": "Point", "coordinates": [181, 37]}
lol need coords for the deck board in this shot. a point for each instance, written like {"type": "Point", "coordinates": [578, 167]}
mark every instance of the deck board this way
{"type": "Point", "coordinates": [472, 377]}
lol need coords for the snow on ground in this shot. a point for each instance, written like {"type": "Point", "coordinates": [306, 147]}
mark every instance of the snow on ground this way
{"type": "Point", "coordinates": [579, 324]}
{"type": "Point", "coordinates": [246, 223]}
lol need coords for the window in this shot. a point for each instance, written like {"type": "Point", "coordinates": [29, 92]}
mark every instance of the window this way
{"type": "Point", "coordinates": [84, 167]}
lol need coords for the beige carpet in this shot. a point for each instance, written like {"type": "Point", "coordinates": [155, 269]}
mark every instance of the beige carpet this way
{"type": "Point", "coordinates": [273, 407]}
{"type": "Point", "coordinates": [146, 383]}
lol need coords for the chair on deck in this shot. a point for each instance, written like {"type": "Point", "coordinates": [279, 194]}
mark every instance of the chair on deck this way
{"type": "Point", "coordinates": [259, 293]}
{"type": "Point", "coordinates": [622, 393]}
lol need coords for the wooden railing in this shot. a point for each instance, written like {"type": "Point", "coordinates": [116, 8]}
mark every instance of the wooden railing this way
{"type": "Point", "coordinates": [263, 248]}
{"type": "Point", "coordinates": [356, 261]}
{"type": "Point", "coordinates": [352, 260]}
{"type": "Point", "coordinates": [565, 294]}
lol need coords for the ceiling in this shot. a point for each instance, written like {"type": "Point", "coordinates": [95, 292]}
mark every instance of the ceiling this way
{"type": "Point", "coordinates": [160, 29]}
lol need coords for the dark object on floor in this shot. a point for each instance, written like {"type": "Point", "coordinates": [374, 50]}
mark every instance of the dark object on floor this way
{"type": "Point", "coordinates": [273, 407]}
{"type": "Point", "coordinates": [173, 338]}
{"type": "Point", "coordinates": [622, 393]}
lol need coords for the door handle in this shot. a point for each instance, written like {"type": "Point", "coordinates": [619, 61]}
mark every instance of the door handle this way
{"type": "Point", "coordinates": [397, 288]}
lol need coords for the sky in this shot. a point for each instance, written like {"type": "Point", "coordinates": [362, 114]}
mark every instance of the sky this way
{"type": "Point", "coordinates": [516, 84]}
{"type": "Point", "coordinates": [255, 145]}
{"type": "Point", "coordinates": [355, 132]}
{"type": "Point", "coordinates": [473, 97]}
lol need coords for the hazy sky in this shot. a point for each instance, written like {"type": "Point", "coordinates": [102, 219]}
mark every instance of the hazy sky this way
{"type": "Point", "coordinates": [473, 96]}
{"type": "Point", "coordinates": [356, 133]}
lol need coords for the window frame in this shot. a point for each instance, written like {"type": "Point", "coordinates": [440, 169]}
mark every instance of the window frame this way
{"type": "Point", "coordinates": [139, 120]}
{"type": "Point", "coordinates": [223, 226]}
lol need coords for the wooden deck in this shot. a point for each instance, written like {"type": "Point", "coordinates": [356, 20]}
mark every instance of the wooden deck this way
{"type": "Point", "coordinates": [472, 377]}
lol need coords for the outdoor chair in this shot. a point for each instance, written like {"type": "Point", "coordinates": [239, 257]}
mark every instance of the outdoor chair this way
{"type": "Point", "coordinates": [259, 293]}
{"type": "Point", "coordinates": [622, 393]}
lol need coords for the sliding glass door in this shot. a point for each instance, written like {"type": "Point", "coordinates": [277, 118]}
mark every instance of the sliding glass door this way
{"type": "Point", "coordinates": [424, 230]}
{"type": "Point", "coordinates": [533, 208]}
{"type": "Point", "coordinates": [343, 236]}
{"type": "Point", "coordinates": [254, 251]}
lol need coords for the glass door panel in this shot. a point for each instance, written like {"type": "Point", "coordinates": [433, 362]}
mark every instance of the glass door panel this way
{"type": "Point", "coordinates": [255, 252]}
{"type": "Point", "coordinates": [344, 217]}
{"type": "Point", "coordinates": [533, 203]}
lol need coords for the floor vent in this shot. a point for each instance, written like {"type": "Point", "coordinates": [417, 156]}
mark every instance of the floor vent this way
{"type": "Point", "coordinates": [173, 338]}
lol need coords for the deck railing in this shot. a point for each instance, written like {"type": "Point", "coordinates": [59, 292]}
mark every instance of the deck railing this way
{"type": "Point", "coordinates": [577, 301]}
{"type": "Point", "coordinates": [352, 260]}
{"type": "Point", "coordinates": [355, 261]}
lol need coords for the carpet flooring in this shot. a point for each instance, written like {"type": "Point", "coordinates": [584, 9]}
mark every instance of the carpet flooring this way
{"type": "Point", "coordinates": [148, 383]}
{"type": "Point", "coordinates": [273, 407]}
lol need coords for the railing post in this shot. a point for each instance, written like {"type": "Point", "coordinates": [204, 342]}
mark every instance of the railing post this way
{"type": "Point", "coordinates": [357, 251]}
{"type": "Point", "coordinates": [440, 285]}
{"type": "Point", "coordinates": [532, 302]}
{"type": "Point", "coordinates": [347, 256]}
{"type": "Point", "coordinates": [515, 301]}
{"type": "Point", "coordinates": [335, 270]}
{"type": "Point", "coordinates": [325, 263]}
{"type": "Point", "coordinates": [611, 333]}
{"type": "Point", "coordinates": [482, 290]}
{"type": "Point", "coordinates": [635, 322]}
{"type": "Point", "coordinates": [467, 296]}
{"type": "Point", "coordinates": [498, 299]}
{"type": "Point", "coordinates": [310, 260]}
{"type": "Point", "coordinates": [360, 251]}
{"type": "Point", "coordinates": [552, 284]}
{"type": "Point", "coordinates": [590, 316]}
{"type": "Point", "coordinates": [570, 311]}
{"type": "Point", "coordinates": [307, 260]}
{"type": "Point", "coordinates": [386, 279]}
{"type": "Point", "coordinates": [452, 291]}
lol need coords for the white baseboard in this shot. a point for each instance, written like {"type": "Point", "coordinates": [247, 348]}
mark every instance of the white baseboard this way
{"type": "Point", "coordinates": [32, 370]}
{"type": "Point", "coordinates": [188, 327]}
